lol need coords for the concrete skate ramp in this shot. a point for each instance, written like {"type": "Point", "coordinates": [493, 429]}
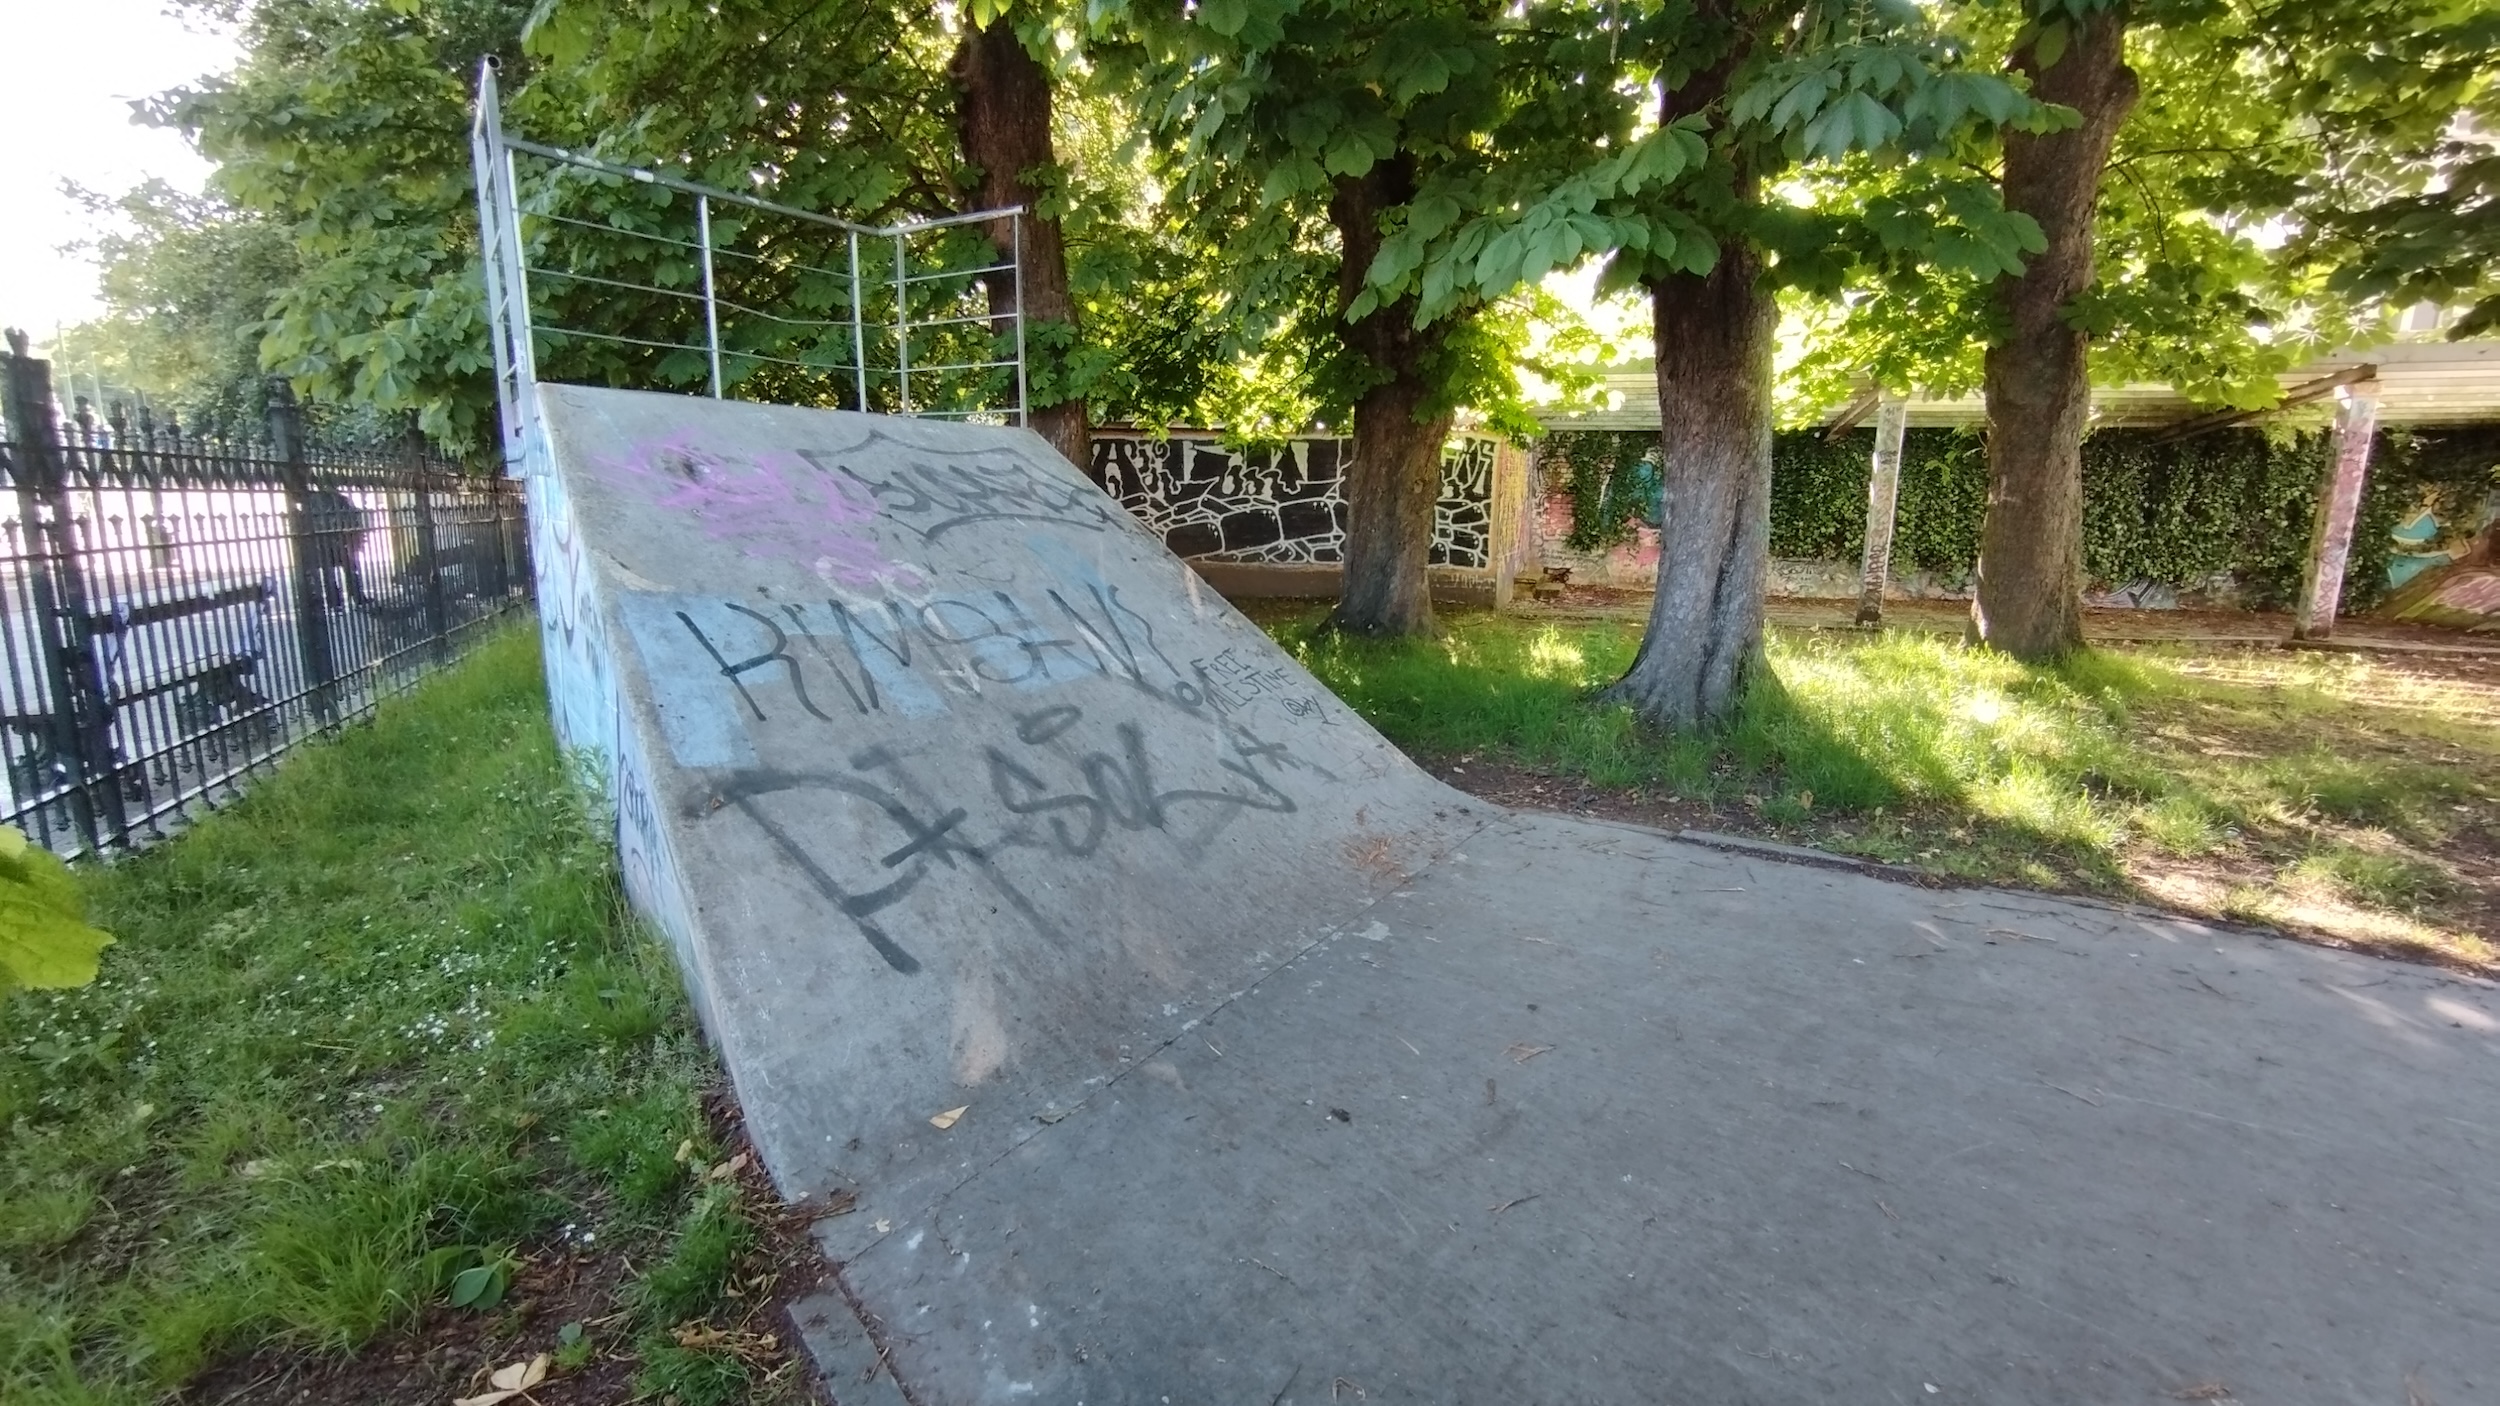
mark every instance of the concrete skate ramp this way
{"type": "Point", "coordinates": [950, 785]}
{"type": "Point", "coordinates": [1290, 1076]}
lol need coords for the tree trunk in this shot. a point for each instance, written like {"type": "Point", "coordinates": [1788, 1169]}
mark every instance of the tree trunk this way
{"type": "Point", "coordinates": [2038, 377]}
{"type": "Point", "coordinates": [1715, 335]}
{"type": "Point", "coordinates": [1004, 123]}
{"type": "Point", "coordinates": [1400, 426]}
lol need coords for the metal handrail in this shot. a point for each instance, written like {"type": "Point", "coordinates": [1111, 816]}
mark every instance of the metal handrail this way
{"type": "Point", "coordinates": [685, 187]}
{"type": "Point", "coordinates": [515, 326]}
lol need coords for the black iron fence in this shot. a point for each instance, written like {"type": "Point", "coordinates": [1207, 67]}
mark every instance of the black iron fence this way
{"type": "Point", "coordinates": [176, 611]}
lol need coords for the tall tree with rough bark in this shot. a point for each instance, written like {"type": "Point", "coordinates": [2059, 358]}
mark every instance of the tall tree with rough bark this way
{"type": "Point", "coordinates": [1004, 117]}
{"type": "Point", "coordinates": [1678, 200]}
{"type": "Point", "coordinates": [1345, 112]}
{"type": "Point", "coordinates": [2204, 135]}
{"type": "Point", "coordinates": [2038, 384]}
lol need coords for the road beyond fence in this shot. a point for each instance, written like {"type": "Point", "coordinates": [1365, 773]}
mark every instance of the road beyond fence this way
{"type": "Point", "coordinates": [176, 611]}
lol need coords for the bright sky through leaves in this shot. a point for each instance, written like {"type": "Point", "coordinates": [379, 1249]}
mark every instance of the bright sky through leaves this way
{"type": "Point", "coordinates": [73, 71]}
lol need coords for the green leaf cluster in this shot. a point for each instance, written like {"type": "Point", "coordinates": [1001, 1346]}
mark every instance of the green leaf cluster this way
{"type": "Point", "coordinates": [1611, 479]}
{"type": "Point", "coordinates": [44, 937]}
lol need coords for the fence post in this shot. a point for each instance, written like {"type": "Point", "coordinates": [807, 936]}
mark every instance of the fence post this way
{"type": "Point", "coordinates": [312, 621]}
{"type": "Point", "coordinates": [429, 557]}
{"type": "Point", "coordinates": [1883, 497]}
{"type": "Point", "coordinates": [81, 714]}
{"type": "Point", "coordinates": [2347, 473]}
{"type": "Point", "coordinates": [711, 304]}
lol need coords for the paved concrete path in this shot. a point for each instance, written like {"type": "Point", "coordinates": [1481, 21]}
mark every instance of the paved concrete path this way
{"type": "Point", "coordinates": [1583, 1114]}
{"type": "Point", "coordinates": [1180, 1041]}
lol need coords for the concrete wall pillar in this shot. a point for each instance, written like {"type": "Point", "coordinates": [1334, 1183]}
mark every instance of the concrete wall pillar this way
{"type": "Point", "coordinates": [1883, 495]}
{"type": "Point", "coordinates": [2339, 502]}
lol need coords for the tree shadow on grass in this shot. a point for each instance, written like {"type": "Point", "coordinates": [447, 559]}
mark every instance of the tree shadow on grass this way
{"type": "Point", "coordinates": [2112, 772]}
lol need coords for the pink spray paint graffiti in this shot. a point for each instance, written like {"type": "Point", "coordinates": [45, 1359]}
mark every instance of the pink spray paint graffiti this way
{"type": "Point", "coordinates": [774, 503]}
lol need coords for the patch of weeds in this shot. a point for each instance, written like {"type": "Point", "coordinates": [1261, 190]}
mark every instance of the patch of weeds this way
{"type": "Point", "coordinates": [2376, 876]}
{"type": "Point", "coordinates": [695, 1376]}
{"type": "Point", "coordinates": [39, 1220]}
{"type": "Point", "coordinates": [2100, 772]}
{"type": "Point", "coordinates": [693, 1279]}
{"type": "Point", "coordinates": [316, 1083]}
{"type": "Point", "coordinates": [574, 1348]}
{"type": "Point", "coordinates": [636, 1145]}
{"type": "Point", "coordinates": [2183, 825]}
{"type": "Point", "coordinates": [2358, 789]}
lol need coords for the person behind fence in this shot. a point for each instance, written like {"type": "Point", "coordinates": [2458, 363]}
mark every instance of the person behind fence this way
{"type": "Point", "coordinates": [338, 531]}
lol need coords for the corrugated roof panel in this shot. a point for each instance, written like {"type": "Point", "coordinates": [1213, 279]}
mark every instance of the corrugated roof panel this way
{"type": "Point", "coordinates": [2420, 383]}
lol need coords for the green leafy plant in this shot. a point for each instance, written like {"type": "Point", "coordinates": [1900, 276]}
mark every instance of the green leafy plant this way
{"type": "Point", "coordinates": [1612, 480]}
{"type": "Point", "coordinates": [44, 937]}
{"type": "Point", "coordinates": [573, 1348]}
{"type": "Point", "coordinates": [2235, 503]}
{"type": "Point", "coordinates": [482, 1286]}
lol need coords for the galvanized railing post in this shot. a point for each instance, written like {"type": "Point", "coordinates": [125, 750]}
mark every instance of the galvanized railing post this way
{"type": "Point", "coordinates": [711, 305]}
{"type": "Point", "coordinates": [486, 158]}
{"type": "Point", "coordinates": [859, 329]}
{"type": "Point", "coordinates": [1024, 417]}
{"type": "Point", "coordinates": [902, 327]}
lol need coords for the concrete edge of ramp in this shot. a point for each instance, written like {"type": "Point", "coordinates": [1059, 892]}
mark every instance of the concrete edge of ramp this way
{"type": "Point", "coordinates": [950, 786]}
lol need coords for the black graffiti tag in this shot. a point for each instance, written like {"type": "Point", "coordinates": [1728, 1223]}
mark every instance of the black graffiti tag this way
{"type": "Point", "coordinates": [1119, 789]}
{"type": "Point", "coordinates": [935, 496]}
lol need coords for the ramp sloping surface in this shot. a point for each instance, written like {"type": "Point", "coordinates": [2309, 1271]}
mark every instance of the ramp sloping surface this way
{"type": "Point", "coordinates": [1585, 1115]}
{"type": "Point", "coordinates": [951, 785]}
{"type": "Point", "coordinates": [1288, 1075]}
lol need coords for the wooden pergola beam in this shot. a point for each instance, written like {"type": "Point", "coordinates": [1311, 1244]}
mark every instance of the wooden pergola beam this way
{"type": "Point", "coordinates": [2318, 389]}
{"type": "Point", "coordinates": [1853, 412]}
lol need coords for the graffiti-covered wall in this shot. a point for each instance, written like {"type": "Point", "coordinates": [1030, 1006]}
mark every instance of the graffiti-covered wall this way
{"type": "Point", "coordinates": [1280, 506]}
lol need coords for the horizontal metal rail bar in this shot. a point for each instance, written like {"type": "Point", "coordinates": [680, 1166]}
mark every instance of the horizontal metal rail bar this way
{"type": "Point", "coordinates": [963, 366]}
{"type": "Point", "coordinates": [723, 252]}
{"type": "Point", "coordinates": [802, 365]}
{"type": "Point", "coordinates": [649, 177]}
{"type": "Point", "coordinates": [595, 226]}
{"type": "Point", "coordinates": [554, 331]}
{"type": "Point", "coordinates": [615, 283]}
{"type": "Point", "coordinates": [950, 221]}
{"type": "Point", "coordinates": [919, 322]}
{"type": "Point", "coordinates": [960, 273]}
{"type": "Point", "coordinates": [843, 322]}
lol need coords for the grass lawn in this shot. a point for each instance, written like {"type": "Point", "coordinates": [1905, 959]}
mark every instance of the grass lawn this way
{"type": "Point", "coordinates": [377, 1038]}
{"type": "Point", "coordinates": [2342, 797]}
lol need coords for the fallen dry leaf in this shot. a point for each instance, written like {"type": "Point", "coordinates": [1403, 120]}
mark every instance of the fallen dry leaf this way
{"type": "Point", "coordinates": [1514, 1201]}
{"type": "Point", "coordinates": [729, 1168]}
{"type": "Point", "coordinates": [521, 1376]}
{"type": "Point", "coordinates": [510, 1381]}
{"type": "Point", "coordinates": [948, 1119]}
{"type": "Point", "coordinates": [841, 1203]}
{"type": "Point", "coordinates": [1522, 1052]}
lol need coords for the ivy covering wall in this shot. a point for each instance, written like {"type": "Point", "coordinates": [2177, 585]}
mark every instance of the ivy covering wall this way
{"type": "Point", "coordinates": [2236, 503]}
